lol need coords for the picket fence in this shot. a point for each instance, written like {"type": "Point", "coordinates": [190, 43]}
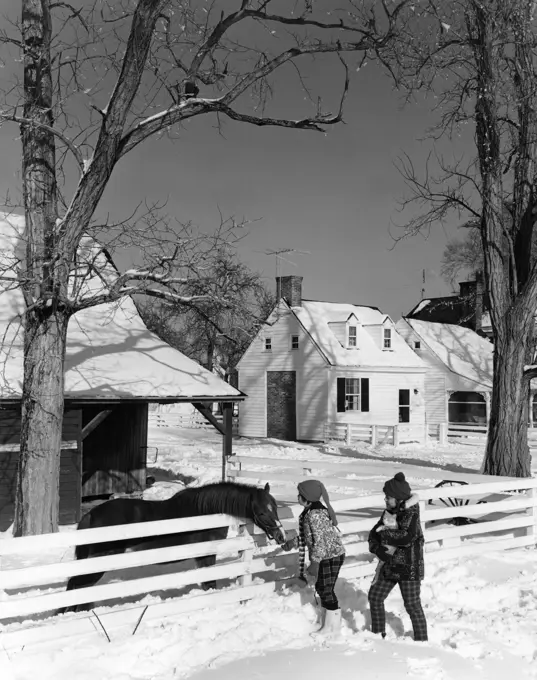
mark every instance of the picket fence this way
{"type": "Point", "coordinates": [405, 433]}
{"type": "Point", "coordinates": [507, 520]}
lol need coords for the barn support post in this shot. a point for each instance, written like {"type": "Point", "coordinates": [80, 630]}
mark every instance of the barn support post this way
{"type": "Point", "coordinates": [227, 442]}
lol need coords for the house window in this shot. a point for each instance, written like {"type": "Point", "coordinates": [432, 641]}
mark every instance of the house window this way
{"type": "Point", "coordinates": [404, 406]}
{"type": "Point", "coordinates": [467, 407]}
{"type": "Point", "coordinates": [352, 336]}
{"type": "Point", "coordinates": [268, 344]}
{"type": "Point", "coordinates": [417, 344]}
{"type": "Point", "coordinates": [387, 338]}
{"type": "Point", "coordinates": [352, 394]}
{"type": "Point", "coordinates": [294, 342]}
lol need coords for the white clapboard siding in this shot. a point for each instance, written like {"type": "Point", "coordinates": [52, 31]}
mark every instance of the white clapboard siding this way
{"type": "Point", "coordinates": [311, 391]}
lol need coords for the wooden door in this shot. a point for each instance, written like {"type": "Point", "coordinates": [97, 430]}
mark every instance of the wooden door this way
{"type": "Point", "coordinates": [281, 405]}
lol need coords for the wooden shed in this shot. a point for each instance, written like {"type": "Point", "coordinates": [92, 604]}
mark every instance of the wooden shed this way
{"type": "Point", "coordinates": [70, 465]}
{"type": "Point", "coordinates": [114, 368]}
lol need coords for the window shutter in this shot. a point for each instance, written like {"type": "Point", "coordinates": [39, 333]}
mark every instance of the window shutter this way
{"type": "Point", "coordinates": [364, 391]}
{"type": "Point", "coordinates": [341, 395]}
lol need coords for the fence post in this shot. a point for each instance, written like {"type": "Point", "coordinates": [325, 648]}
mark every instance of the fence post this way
{"type": "Point", "coordinates": [396, 435]}
{"type": "Point", "coordinates": [374, 435]}
{"type": "Point", "coordinates": [247, 557]}
{"type": "Point", "coordinates": [422, 516]}
{"type": "Point", "coordinates": [442, 433]}
{"type": "Point", "coordinates": [532, 530]}
{"type": "Point", "coordinates": [348, 434]}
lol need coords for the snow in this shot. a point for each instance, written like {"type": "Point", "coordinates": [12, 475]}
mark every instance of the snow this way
{"type": "Point", "coordinates": [110, 352]}
{"type": "Point", "coordinates": [461, 349]}
{"type": "Point", "coordinates": [481, 610]}
{"type": "Point", "coordinates": [316, 317]}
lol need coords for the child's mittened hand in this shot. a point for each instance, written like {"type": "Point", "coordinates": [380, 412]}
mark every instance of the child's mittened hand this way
{"type": "Point", "coordinates": [288, 545]}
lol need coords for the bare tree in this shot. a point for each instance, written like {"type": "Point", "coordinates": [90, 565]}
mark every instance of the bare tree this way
{"type": "Point", "coordinates": [98, 79]}
{"type": "Point", "coordinates": [464, 256]}
{"type": "Point", "coordinates": [478, 59]}
{"type": "Point", "coordinates": [215, 335]}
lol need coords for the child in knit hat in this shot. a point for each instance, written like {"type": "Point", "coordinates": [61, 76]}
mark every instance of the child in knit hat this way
{"type": "Point", "coordinates": [319, 533]}
{"type": "Point", "coordinates": [401, 552]}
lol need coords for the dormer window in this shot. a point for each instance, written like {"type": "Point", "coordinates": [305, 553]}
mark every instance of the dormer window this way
{"type": "Point", "coordinates": [268, 344]}
{"type": "Point", "coordinates": [417, 344]}
{"type": "Point", "coordinates": [352, 336]}
{"type": "Point", "coordinates": [294, 342]}
{"type": "Point", "coordinates": [387, 338]}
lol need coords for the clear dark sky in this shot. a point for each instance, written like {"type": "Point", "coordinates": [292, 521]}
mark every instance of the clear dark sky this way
{"type": "Point", "coordinates": [334, 195]}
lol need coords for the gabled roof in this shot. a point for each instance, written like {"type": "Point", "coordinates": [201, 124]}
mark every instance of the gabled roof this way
{"type": "Point", "coordinates": [315, 317]}
{"type": "Point", "coordinates": [461, 349]}
{"type": "Point", "coordinates": [110, 352]}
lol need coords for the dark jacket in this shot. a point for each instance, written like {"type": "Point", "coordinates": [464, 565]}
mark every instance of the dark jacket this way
{"type": "Point", "coordinates": [407, 563]}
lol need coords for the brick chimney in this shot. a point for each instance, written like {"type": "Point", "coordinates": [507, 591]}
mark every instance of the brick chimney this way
{"type": "Point", "coordinates": [471, 296]}
{"type": "Point", "coordinates": [290, 289]}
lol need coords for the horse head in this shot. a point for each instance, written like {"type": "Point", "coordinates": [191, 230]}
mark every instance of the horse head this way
{"type": "Point", "coordinates": [265, 515]}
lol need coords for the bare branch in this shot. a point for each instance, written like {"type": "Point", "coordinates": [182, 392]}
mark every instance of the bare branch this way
{"type": "Point", "coordinates": [31, 122]}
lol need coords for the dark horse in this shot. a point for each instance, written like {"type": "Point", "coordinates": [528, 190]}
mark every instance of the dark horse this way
{"type": "Point", "coordinates": [238, 500]}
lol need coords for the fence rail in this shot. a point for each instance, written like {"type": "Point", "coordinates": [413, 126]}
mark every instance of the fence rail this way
{"type": "Point", "coordinates": [507, 520]}
{"type": "Point", "coordinates": [187, 421]}
{"type": "Point", "coordinates": [405, 433]}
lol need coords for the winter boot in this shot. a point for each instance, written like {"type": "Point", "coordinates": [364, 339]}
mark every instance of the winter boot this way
{"type": "Point", "coordinates": [332, 625]}
{"type": "Point", "coordinates": [321, 621]}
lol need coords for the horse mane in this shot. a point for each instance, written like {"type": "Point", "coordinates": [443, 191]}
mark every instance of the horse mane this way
{"type": "Point", "coordinates": [229, 498]}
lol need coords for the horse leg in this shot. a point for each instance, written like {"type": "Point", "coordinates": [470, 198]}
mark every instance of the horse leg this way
{"type": "Point", "coordinates": [81, 581]}
{"type": "Point", "coordinates": [207, 561]}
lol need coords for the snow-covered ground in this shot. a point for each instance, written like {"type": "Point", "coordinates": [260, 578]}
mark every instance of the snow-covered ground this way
{"type": "Point", "coordinates": [481, 611]}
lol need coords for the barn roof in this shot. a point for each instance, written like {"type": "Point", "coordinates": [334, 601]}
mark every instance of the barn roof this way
{"type": "Point", "coordinates": [316, 318]}
{"type": "Point", "coordinates": [110, 352]}
{"type": "Point", "coordinates": [461, 349]}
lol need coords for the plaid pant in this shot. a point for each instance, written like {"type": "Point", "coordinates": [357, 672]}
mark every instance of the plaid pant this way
{"type": "Point", "coordinates": [410, 590]}
{"type": "Point", "coordinates": [326, 581]}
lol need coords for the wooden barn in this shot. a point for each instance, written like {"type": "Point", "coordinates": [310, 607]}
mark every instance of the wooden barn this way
{"type": "Point", "coordinates": [320, 363]}
{"type": "Point", "coordinates": [114, 369]}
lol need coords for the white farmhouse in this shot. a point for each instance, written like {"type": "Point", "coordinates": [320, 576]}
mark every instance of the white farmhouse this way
{"type": "Point", "coordinates": [316, 363]}
{"type": "Point", "coordinates": [458, 382]}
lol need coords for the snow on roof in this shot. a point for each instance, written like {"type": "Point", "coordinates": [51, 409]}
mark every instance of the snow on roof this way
{"type": "Point", "coordinates": [110, 352]}
{"type": "Point", "coordinates": [316, 317]}
{"type": "Point", "coordinates": [461, 349]}
{"type": "Point", "coordinates": [421, 305]}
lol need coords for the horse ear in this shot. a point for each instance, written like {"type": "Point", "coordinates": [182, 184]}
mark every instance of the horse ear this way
{"type": "Point", "coordinates": [267, 487]}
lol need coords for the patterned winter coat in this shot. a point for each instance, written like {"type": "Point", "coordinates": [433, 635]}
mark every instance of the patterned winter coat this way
{"type": "Point", "coordinates": [318, 534]}
{"type": "Point", "coordinates": [407, 563]}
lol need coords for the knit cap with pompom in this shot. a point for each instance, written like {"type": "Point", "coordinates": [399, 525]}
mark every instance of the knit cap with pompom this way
{"type": "Point", "coordinates": [398, 488]}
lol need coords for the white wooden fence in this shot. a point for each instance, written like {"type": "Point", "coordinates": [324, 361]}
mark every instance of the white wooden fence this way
{"type": "Point", "coordinates": [187, 421]}
{"type": "Point", "coordinates": [507, 520]}
{"type": "Point", "coordinates": [405, 433]}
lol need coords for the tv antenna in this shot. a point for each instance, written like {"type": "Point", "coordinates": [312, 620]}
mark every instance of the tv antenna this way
{"type": "Point", "coordinates": [279, 256]}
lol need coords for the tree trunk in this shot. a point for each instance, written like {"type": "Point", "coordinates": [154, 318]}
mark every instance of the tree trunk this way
{"type": "Point", "coordinates": [507, 451]}
{"type": "Point", "coordinates": [37, 499]}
